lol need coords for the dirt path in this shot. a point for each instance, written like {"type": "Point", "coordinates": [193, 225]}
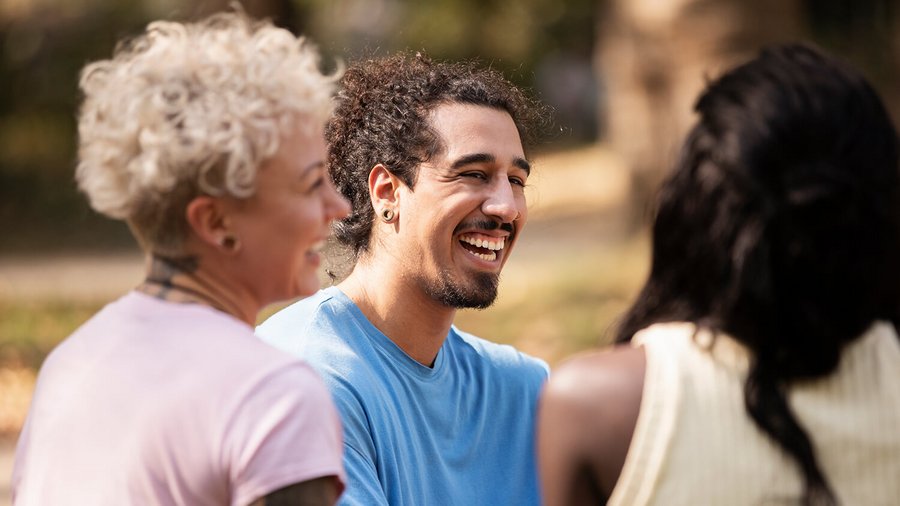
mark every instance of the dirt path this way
{"type": "Point", "coordinates": [7, 448]}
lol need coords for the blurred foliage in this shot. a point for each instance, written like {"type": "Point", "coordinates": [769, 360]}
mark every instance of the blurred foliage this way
{"type": "Point", "coordinates": [862, 30]}
{"type": "Point", "coordinates": [515, 35]}
{"type": "Point", "coordinates": [41, 53]}
{"type": "Point", "coordinates": [44, 44]}
{"type": "Point", "coordinates": [865, 32]}
{"type": "Point", "coordinates": [29, 330]}
{"type": "Point", "coordinates": [543, 45]}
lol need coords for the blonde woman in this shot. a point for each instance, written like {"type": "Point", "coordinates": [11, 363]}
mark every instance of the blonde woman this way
{"type": "Point", "coordinates": [206, 139]}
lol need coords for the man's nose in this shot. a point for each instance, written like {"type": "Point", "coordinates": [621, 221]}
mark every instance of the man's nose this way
{"type": "Point", "coordinates": [502, 203]}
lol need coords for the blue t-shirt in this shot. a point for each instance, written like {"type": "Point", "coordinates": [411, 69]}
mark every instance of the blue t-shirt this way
{"type": "Point", "coordinates": [460, 433]}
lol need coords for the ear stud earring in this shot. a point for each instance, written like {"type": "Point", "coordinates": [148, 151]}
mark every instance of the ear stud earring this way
{"type": "Point", "coordinates": [228, 242]}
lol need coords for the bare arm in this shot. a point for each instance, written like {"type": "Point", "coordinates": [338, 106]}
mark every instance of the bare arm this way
{"type": "Point", "coordinates": [317, 492]}
{"type": "Point", "coordinates": [587, 416]}
{"type": "Point", "coordinates": [566, 474]}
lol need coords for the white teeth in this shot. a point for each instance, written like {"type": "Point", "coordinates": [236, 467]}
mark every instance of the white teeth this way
{"type": "Point", "coordinates": [493, 246]}
{"type": "Point", "coordinates": [490, 258]}
{"type": "Point", "coordinates": [479, 243]}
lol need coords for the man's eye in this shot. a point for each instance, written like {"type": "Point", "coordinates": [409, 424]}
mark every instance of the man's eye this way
{"type": "Point", "coordinates": [476, 175]}
{"type": "Point", "coordinates": [517, 181]}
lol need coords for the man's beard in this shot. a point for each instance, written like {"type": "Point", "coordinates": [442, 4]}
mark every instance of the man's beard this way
{"type": "Point", "coordinates": [478, 293]}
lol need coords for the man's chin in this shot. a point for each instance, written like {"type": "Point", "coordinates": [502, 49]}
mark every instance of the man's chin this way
{"type": "Point", "coordinates": [479, 292]}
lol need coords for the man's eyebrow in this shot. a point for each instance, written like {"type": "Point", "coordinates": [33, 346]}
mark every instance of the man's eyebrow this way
{"type": "Point", "coordinates": [523, 164]}
{"type": "Point", "coordinates": [473, 158]}
{"type": "Point", "coordinates": [488, 158]}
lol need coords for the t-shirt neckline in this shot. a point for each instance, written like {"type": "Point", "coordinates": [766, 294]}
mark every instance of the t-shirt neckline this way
{"type": "Point", "coordinates": [389, 347]}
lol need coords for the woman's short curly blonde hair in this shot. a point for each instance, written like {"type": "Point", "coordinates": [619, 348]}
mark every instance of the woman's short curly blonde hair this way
{"type": "Point", "coordinates": [190, 109]}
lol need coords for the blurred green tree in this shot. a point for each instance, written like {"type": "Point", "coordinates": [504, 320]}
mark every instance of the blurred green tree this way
{"type": "Point", "coordinates": [41, 53]}
{"type": "Point", "coordinates": [654, 56]}
{"type": "Point", "coordinates": [44, 44]}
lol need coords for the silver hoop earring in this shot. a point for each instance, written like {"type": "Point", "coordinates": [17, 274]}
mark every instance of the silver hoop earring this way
{"type": "Point", "coordinates": [387, 215]}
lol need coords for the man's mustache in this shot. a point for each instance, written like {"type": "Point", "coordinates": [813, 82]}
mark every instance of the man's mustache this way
{"type": "Point", "coordinates": [488, 225]}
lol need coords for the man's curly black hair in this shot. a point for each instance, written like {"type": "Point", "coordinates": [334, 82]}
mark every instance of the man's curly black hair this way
{"type": "Point", "coordinates": [381, 116]}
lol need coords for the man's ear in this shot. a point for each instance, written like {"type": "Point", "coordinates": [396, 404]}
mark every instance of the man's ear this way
{"type": "Point", "coordinates": [208, 219]}
{"type": "Point", "coordinates": [384, 190]}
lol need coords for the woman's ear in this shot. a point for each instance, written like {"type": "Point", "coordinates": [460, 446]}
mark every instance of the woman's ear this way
{"type": "Point", "coordinates": [208, 219]}
{"type": "Point", "coordinates": [384, 190]}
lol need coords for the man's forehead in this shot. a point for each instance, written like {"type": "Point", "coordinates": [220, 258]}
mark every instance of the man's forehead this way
{"type": "Point", "coordinates": [444, 110]}
{"type": "Point", "coordinates": [466, 129]}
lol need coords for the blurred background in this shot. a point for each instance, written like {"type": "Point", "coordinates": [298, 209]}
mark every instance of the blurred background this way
{"type": "Point", "coordinates": [620, 75]}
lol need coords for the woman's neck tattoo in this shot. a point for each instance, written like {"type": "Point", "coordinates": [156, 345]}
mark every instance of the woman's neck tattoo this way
{"type": "Point", "coordinates": [171, 279]}
{"type": "Point", "coordinates": [164, 270]}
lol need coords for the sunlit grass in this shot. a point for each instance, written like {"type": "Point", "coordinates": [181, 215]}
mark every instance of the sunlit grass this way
{"type": "Point", "coordinates": [29, 330]}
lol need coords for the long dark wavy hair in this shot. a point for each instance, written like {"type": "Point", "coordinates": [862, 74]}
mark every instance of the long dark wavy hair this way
{"type": "Point", "coordinates": [779, 227]}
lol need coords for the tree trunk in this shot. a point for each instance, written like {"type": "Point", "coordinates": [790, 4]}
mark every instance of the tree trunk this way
{"type": "Point", "coordinates": [655, 56]}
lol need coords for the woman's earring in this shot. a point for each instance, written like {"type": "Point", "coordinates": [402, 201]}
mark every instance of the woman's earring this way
{"type": "Point", "coordinates": [387, 215]}
{"type": "Point", "coordinates": [228, 242]}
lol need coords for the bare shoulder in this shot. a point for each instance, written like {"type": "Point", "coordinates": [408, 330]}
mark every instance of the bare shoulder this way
{"type": "Point", "coordinates": [588, 412]}
{"type": "Point", "coordinates": [597, 381]}
{"type": "Point", "coordinates": [601, 365]}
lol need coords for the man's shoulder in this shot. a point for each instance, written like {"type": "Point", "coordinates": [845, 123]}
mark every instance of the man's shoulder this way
{"type": "Point", "coordinates": [503, 357]}
{"type": "Point", "coordinates": [316, 315]}
{"type": "Point", "coordinates": [324, 331]}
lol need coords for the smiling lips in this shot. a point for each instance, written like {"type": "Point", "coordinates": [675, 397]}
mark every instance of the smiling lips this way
{"type": "Point", "coordinates": [483, 247]}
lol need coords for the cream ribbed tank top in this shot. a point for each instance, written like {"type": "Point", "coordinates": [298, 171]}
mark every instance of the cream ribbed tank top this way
{"type": "Point", "coordinates": [694, 443]}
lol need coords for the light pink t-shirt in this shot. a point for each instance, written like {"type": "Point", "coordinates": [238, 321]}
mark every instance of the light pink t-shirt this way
{"type": "Point", "coordinates": [153, 402]}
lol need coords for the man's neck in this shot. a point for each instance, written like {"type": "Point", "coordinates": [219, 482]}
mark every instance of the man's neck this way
{"type": "Point", "coordinates": [405, 314]}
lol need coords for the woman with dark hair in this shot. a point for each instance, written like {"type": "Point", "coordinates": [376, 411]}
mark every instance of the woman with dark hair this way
{"type": "Point", "coordinates": [764, 363]}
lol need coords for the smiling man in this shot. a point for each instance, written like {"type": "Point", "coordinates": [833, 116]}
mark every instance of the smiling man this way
{"type": "Point", "coordinates": [431, 156]}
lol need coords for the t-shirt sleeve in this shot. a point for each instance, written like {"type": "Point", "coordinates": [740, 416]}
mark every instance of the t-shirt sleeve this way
{"type": "Point", "coordinates": [285, 430]}
{"type": "Point", "coordinates": [364, 488]}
